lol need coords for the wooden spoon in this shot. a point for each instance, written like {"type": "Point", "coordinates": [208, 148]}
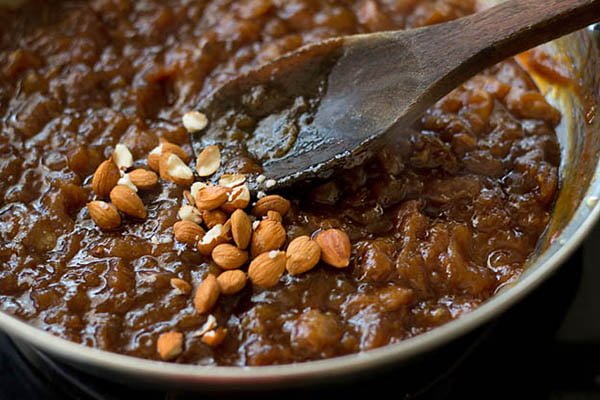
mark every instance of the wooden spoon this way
{"type": "Point", "coordinates": [331, 104]}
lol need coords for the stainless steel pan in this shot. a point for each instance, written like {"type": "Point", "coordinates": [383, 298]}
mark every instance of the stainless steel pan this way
{"type": "Point", "coordinates": [576, 213]}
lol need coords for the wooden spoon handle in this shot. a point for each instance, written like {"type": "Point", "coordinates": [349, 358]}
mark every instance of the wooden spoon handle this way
{"type": "Point", "coordinates": [494, 34]}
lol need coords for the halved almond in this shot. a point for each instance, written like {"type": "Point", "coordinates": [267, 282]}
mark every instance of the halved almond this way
{"type": "Point", "coordinates": [169, 345]}
{"type": "Point", "coordinates": [335, 247]}
{"type": "Point", "coordinates": [180, 286]}
{"type": "Point", "coordinates": [211, 197]}
{"type": "Point", "coordinates": [232, 282]}
{"type": "Point", "coordinates": [232, 180]}
{"type": "Point", "coordinates": [266, 269]}
{"type": "Point", "coordinates": [105, 215]}
{"type": "Point", "coordinates": [187, 232]}
{"type": "Point", "coordinates": [238, 198]}
{"type": "Point", "coordinates": [172, 168]}
{"type": "Point", "coordinates": [215, 236]}
{"type": "Point", "coordinates": [208, 161]}
{"type": "Point", "coordinates": [207, 294]}
{"type": "Point", "coordinates": [214, 338]}
{"type": "Point", "coordinates": [143, 179]}
{"type": "Point", "coordinates": [194, 121]}
{"type": "Point", "coordinates": [302, 255]}
{"type": "Point", "coordinates": [190, 213]}
{"type": "Point", "coordinates": [128, 202]}
{"type": "Point", "coordinates": [241, 228]}
{"type": "Point", "coordinates": [122, 157]}
{"type": "Point", "coordinates": [105, 178]}
{"type": "Point", "coordinates": [271, 202]}
{"type": "Point", "coordinates": [228, 256]}
{"type": "Point", "coordinates": [268, 235]}
{"type": "Point", "coordinates": [163, 148]}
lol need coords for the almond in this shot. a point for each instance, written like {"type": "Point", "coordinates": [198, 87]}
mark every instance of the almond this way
{"type": "Point", "coordinates": [232, 282]}
{"type": "Point", "coordinates": [128, 202]}
{"type": "Point", "coordinates": [105, 178]}
{"type": "Point", "coordinates": [126, 181]}
{"type": "Point", "coordinates": [187, 232]}
{"type": "Point", "coordinates": [268, 235]}
{"type": "Point", "coordinates": [266, 269]}
{"type": "Point", "coordinates": [196, 186]}
{"type": "Point", "coordinates": [271, 202]}
{"type": "Point", "coordinates": [169, 345]}
{"type": "Point", "coordinates": [211, 197]}
{"type": "Point", "coordinates": [241, 228]}
{"type": "Point", "coordinates": [214, 338]}
{"type": "Point", "coordinates": [213, 218]}
{"type": "Point", "coordinates": [208, 161]}
{"type": "Point", "coordinates": [274, 216]}
{"type": "Point", "coordinates": [105, 215]}
{"type": "Point", "coordinates": [172, 168]}
{"type": "Point", "coordinates": [335, 247]}
{"type": "Point", "coordinates": [165, 147]}
{"type": "Point", "coordinates": [143, 179]}
{"type": "Point", "coordinates": [228, 256]}
{"type": "Point", "coordinates": [302, 255]}
{"type": "Point", "coordinates": [232, 180]}
{"type": "Point", "coordinates": [215, 236]}
{"type": "Point", "coordinates": [238, 198]}
{"type": "Point", "coordinates": [190, 213]}
{"type": "Point", "coordinates": [209, 325]}
{"type": "Point", "coordinates": [194, 121]}
{"type": "Point", "coordinates": [122, 157]}
{"type": "Point", "coordinates": [181, 286]}
{"type": "Point", "coordinates": [207, 294]}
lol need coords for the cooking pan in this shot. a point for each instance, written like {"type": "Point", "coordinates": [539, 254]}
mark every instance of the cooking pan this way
{"type": "Point", "coordinates": [576, 212]}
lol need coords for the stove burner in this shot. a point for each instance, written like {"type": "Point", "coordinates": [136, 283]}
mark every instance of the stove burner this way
{"type": "Point", "coordinates": [500, 359]}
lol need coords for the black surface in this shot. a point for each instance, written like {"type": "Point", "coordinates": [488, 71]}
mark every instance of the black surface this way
{"type": "Point", "coordinates": [547, 347]}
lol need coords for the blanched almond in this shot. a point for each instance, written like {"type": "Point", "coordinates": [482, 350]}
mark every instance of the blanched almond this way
{"type": "Point", "coordinates": [228, 256]}
{"type": "Point", "coordinates": [214, 338]}
{"type": "Point", "coordinates": [241, 228]}
{"type": "Point", "coordinates": [187, 232]}
{"type": "Point", "coordinates": [207, 294]}
{"type": "Point", "coordinates": [266, 269]}
{"type": "Point", "coordinates": [215, 236]}
{"type": "Point", "coordinates": [128, 202]}
{"type": "Point", "coordinates": [211, 197]}
{"type": "Point", "coordinates": [302, 255]}
{"type": "Point", "coordinates": [122, 157]}
{"type": "Point", "coordinates": [194, 121]}
{"type": "Point", "coordinates": [105, 178]}
{"type": "Point", "coordinates": [105, 215]}
{"type": "Point", "coordinates": [271, 202]}
{"type": "Point", "coordinates": [143, 179]}
{"type": "Point", "coordinates": [172, 168]}
{"type": "Point", "coordinates": [335, 247]}
{"type": "Point", "coordinates": [208, 161]}
{"type": "Point", "coordinates": [181, 286]}
{"type": "Point", "coordinates": [169, 345]}
{"type": "Point", "coordinates": [268, 235]}
{"type": "Point", "coordinates": [163, 148]}
{"type": "Point", "coordinates": [232, 282]}
{"type": "Point", "coordinates": [213, 218]}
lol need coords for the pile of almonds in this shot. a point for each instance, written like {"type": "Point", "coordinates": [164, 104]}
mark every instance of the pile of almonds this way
{"type": "Point", "coordinates": [246, 241]}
